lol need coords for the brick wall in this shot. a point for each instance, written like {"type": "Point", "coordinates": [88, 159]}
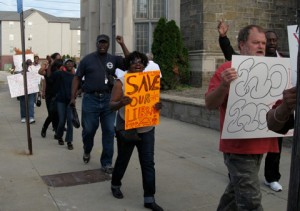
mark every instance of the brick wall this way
{"type": "Point", "coordinates": [6, 62]}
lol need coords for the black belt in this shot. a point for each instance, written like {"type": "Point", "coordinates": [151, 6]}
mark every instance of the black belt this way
{"type": "Point", "coordinates": [100, 93]}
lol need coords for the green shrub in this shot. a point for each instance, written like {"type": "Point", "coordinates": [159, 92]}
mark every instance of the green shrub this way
{"type": "Point", "coordinates": [64, 57]}
{"type": "Point", "coordinates": [170, 54]}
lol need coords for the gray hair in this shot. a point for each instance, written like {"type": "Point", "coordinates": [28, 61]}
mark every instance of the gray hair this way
{"type": "Point", "coordinates": [244, 33]}
{"type": "Point", "coordinates": [150, 56]}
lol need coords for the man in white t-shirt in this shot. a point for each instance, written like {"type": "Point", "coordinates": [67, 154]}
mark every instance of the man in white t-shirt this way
{"type": "Point", "coordinates": [151, 64]}
{"type": "Point", "coordinates": [34, 67]}
{"type": "Point", "coordinates": [36, 64]}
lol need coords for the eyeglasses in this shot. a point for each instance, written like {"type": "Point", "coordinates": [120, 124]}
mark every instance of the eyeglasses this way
{"type": "Point", "coordinates": [102, 41]}
{"type": "Point", "coordinates": [136, 61]}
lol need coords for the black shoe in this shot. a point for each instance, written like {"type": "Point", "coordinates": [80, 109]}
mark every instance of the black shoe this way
{"type": "Point", "coordinates": [61, 142]}
{"type": "Point", "coordinates": [43, 132]}
{"type": "Point", "coordinates": [117, 193]}
{"type": "Point", "coordinates": [86, 157]}
{"type": "Point", "coordinates": [70, 146]}
{"type": "Point", "coordinates": [153, 206]}
{"type": "Point", "coordinates": [107, 169]}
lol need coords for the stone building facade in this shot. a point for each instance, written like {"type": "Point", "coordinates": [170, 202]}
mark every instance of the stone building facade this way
{"type": "Point", "coordinates": [198, 23]}
{"type": "Point", "coordinates": [197, 20]}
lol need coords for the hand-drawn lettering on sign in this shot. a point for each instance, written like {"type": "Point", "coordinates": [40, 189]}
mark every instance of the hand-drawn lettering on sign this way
{"type": "Point", "coordinates": [260, 83]}
{"type": "Point", "coordinates": [144, 90]}
{"type": "Point", "coordinates": [16, 84]}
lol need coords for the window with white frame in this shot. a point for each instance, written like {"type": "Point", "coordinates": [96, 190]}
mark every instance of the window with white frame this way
{"type": "Point", "coordinates": [11, 37]}
{"type": "Point", "coordinates": [146, 16]}
{"type": "Point", "coordinates": [29, 25]}
{"type": "Point", "coordinates": [11, 24]}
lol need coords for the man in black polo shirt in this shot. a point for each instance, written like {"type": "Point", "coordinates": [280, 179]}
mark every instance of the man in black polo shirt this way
{"type": "Point", "coordinates": [98, 70]}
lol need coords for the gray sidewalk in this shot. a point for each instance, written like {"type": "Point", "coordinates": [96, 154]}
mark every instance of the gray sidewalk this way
{"type": "Point", "coordinates": [190, 174]}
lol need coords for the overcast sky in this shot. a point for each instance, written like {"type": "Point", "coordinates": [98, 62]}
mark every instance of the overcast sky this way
{"type": "Point", "coordinates": [59, 8]}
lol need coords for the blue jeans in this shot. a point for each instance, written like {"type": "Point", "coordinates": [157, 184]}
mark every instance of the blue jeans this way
{"type": "Point", "coordinates": [96, 109]}
{"type": "Point", "coordinates": [31, 99]}
{"type": "Point", "coordinates": [146, 157]}
{"type": "Point", "coordinates": [64, 112]}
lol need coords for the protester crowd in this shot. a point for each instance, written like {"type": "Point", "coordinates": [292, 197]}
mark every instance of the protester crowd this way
{"type": "Point", "coordinates": [103, 102]}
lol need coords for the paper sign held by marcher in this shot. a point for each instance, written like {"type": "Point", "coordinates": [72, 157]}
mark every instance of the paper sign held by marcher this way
{"type": "Point", "coordinates": [16, 84]}
{"type": "Point", "coordinates": [144, 90]}
{"type": "Point", "coordinates": [260, 83]}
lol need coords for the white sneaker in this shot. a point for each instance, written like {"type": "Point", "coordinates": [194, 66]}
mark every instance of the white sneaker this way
{"type": "Point", "coordinates": [23, 120]}
{"type": "Point", "coordinates": [275, 186]}
{"type": "Point", "coordinates": [31, 120]}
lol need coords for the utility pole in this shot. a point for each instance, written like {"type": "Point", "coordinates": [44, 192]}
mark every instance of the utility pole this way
{"type": "Point", "coordinates": [294, 185]}
{"type": "Point", "coordinates": [24, 70]}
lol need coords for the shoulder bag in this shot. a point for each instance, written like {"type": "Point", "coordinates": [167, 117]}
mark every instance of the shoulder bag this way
{"type": "Point", "coordinates": [130, 135]}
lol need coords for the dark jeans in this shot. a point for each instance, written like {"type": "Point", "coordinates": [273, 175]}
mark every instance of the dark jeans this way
{"type": "Point", "coordinates": [64, 112]}
{"type": "Point", "coordinates": [52, 114]}
{"type": "Point", "coordinates": [31, 98]}
{"type": "Point", "coordinates": [146, 157]}
{"type": "Point", "coordinates": [272, 161]}
{"type": "Point", "coordinates": [94, 109]}
{"type": "Point", "coordinates": [243, 191]}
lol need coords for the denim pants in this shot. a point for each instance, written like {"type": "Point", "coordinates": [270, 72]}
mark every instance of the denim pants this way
{"type": "Point", "coordinates": [31, 99]}
{"type": "Point", "coordinates": [52, 113]}
{"type": "Point", "coordinates": [64, 112]}
{"type": "Point", "coordinates": [95, 110]}
{"type": "Point", "coordinates": [243, 191]}
{"type": "Point", "coordinates": [48, 119]}
{"type": "Point", "coordinates": [146, 157]}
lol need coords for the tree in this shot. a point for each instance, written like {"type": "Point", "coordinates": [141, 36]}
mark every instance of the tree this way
{"type": "Point", "coordinates": [170, 53]}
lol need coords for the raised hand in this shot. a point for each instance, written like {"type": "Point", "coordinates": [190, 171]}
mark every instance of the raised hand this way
{"type": "Point", "coordinates": [222, 28]}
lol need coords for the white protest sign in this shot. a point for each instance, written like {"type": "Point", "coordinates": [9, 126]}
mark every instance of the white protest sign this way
{"type": "Point", "coordinates": [18, 61]}
{"type": "Point", "coordinates": [293, 36]}
{"type": "Point", "coordinates": [16, 84]}
{"type": "Point", "coordinates": [260, 83]}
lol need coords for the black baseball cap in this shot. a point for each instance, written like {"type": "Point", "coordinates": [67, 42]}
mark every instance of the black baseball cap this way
{"type": "Point", "coordinates": [102, 37]}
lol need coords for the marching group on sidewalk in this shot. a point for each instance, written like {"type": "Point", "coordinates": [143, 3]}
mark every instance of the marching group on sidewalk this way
{"type": "Point", "coordinates": [103, 102]}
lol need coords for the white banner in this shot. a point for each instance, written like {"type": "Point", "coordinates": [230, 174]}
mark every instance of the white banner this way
{"type": "Point", "coordinates": [16, 84]}
{"type": "Point", "coordinates": [18, 61]}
